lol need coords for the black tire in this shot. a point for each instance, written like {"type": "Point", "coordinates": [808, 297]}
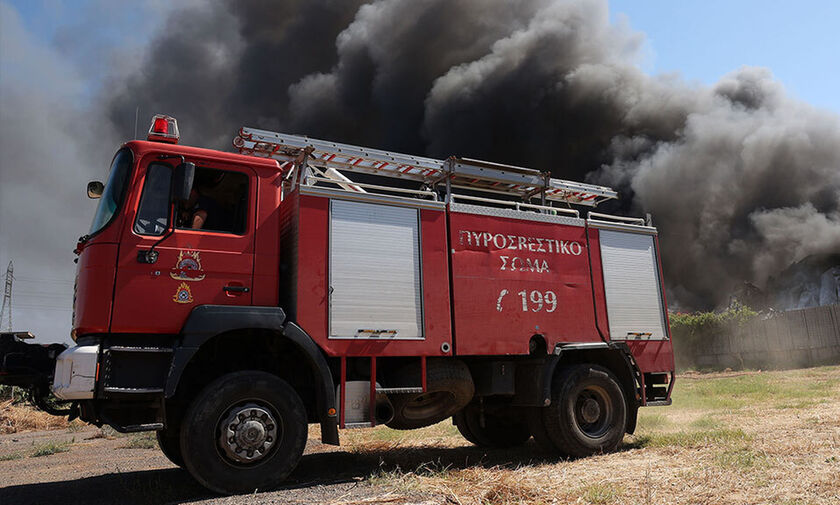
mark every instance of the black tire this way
{"type": "Point", "coordinates": [170, 445]}
{"type": "Point", "coordinates": [254, 408]}
{"type": "Point", "coordinates": [465, 430]}
{"type": "Point", "coordinates": [449, 387]}
{"type": "Point", "coordinates": [588, 412]}
{"type": "Point", "coordinates": [497, 430]}
{"type": "Point", "coordinates": [536, 426]}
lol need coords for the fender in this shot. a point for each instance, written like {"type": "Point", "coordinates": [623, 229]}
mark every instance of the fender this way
{"type": "Point", "coordinates": [625, 368]}
{"type": "Point", "coordinates": [535, 379]}
{"type": "Point", "coordinates": [207, 321]}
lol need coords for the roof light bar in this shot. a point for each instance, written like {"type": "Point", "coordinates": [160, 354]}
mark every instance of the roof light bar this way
{"type": "Point", "coordinates": [163, 129]}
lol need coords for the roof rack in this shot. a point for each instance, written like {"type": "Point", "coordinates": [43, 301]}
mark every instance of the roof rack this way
{"type": "Point", "coordinates": [461, 173]}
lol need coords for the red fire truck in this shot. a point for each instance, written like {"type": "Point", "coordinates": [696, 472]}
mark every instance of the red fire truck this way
{"type": "Point", "coordinates": [228, 300]}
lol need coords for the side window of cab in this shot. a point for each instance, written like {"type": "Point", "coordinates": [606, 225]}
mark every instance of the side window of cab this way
{"type": "Point", "coordinates": [218, 202]}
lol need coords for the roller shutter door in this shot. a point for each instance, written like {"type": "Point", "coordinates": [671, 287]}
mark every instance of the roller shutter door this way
{"type": "Point", "coordinates": [375, 274]}
{"type": "Point", "coordinates": [631, 282]}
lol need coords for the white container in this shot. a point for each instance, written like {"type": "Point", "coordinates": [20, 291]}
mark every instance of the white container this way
{"type": "Point", "coordinates": [75, 373]}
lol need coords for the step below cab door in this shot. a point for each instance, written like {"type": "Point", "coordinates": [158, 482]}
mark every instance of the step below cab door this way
{"type": "Point", "coordinates": [208, 259]}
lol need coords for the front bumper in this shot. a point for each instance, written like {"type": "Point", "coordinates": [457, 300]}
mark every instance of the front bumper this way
{"type": "Point", "coordinates": [75, 373]}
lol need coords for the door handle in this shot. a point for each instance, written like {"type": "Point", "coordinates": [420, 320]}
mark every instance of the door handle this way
{"type": "Point", "coordinates": [235, 289]}
{"type": "Point", "coordinates": [149, 256]}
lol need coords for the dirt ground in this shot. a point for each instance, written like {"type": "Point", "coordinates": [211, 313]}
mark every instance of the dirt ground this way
{"type": "Point", "coordinates": [734, 438]}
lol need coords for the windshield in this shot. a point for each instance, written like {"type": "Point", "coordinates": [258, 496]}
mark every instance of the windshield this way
{"type": "Point", "coordinates": [114, 192]}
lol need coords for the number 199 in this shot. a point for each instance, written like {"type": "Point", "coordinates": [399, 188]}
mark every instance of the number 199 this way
{"type": "Point", "coordinates": [538, 301]}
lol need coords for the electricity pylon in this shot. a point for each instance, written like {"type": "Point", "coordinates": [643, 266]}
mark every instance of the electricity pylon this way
{"type": "Point", "coordinates": [6, 311]}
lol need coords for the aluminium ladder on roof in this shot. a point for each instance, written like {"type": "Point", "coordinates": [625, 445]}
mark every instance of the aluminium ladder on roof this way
{"type": "Point", "coordinates": [461, 173]}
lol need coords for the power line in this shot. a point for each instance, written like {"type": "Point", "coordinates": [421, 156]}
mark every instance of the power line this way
{"type": "Point", "coordinates": [37, 278]}
{"type": "Point", "coordinates": [43, 280]}
{"type": "Point", "coordinates": [46, 303]}
{"type": "Point", "coordinates": [44, 295]}
{"type": "Point", "coordinates": [53, 309]}
{"type": "Point", "coordinates": [18, 308]}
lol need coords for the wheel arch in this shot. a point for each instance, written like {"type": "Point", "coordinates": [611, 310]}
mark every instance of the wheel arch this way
{"type": "Point", "coordinates": [215, 328]}
{"type": "Point", "coordinates": [614, 358]}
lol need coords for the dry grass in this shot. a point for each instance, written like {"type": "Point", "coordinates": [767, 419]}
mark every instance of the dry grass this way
{"type": "Point", "coordinates": [144, 440]}
{"type": "Point", "coordinates": [51, 447]}
{"type": "Point", "coordinates": [747, 438]}
{"type": "Point", "coordinates": [761, 437]}
{"type": "Point", "coordinates": [18, 418]}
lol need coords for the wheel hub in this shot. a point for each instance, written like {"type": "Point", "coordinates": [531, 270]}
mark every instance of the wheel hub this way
{"type": "Point", "coordinates": [590, 410]}
{"type": "Point", "coordinates": [248, 433]}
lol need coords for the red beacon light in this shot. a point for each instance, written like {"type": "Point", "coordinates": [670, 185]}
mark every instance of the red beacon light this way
{"type": "Point", "coordinates": [164, 129]}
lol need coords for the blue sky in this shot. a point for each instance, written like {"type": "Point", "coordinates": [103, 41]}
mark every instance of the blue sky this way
{"type": "Point", "coordinates": [798, 41]}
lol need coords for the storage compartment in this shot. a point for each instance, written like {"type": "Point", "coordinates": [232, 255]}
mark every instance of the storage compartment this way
{"type": "Point", "coordinates": [631, 282]}
{"type": "Point", "coordinates": [374, 271]}
{"type": "Point", "coordinates": [366, 274]}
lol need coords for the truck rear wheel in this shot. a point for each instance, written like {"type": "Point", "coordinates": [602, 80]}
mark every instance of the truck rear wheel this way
{"type": "Point", "coordinates": [245, 431]}
{"type": "Point", "coordinates": [170, 446]}
{"type": "Point", "coordinates": [449, 387]}
{"type": "Point", "coordinates": [495, 431]}
{"type": "Point", "coordinates": [588, 413]}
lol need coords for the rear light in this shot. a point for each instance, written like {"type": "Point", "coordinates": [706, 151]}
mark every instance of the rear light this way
{"type": "Point", "coordinates": [164, 129]}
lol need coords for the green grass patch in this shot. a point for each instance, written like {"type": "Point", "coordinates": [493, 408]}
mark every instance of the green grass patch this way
{"type": "Point", "coordinates": [733, 393]}
{"type": "Point", "coordinates": [384, 435]}
{"type": "Point", "coordinates": [741, 458]}
{"type": "Point", "coordinates": [706, 423]}
{"type": "Point", "coordinates": [688, 439]}
{"type": "Point", "coordinates": [145, 440]}
{"type": "Point", "coordinates": [652, 421]}
{"type": "Point", "coordinates": [599, 494]}
{"type": "Point", "coordinates": [76, 426]}
{"type": "Point", "coordinates": [11, 457]}
{"type": "Point", "coordinates": [49, 448]}
{"type": "Point", "coordinates": [800, 404]}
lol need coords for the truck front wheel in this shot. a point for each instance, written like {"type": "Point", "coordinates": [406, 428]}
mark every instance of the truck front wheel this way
{"type": "Point", "coordinates": [170, 445]}
{"type": "Point", "coordinates": [588, 413]}
{"type": "Point", "coordinates": [245, 431]}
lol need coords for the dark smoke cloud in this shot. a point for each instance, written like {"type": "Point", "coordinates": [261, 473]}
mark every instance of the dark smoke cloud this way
{"type": "Point", "coordinates": [742, 179]}
{"type": "Point", "coordinates": [219, 66]}
{"type": "Point", "coordinates": [750, 185]}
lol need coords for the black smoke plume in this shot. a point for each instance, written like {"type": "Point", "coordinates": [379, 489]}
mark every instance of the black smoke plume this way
{"type": "Point", "coordinates": [742, 180]}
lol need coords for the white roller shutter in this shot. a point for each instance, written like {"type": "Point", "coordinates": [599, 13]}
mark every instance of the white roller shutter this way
{"type": "Point", "coordinates": [375, 271]}
{"type": "Point", "coordinates": [631, 282]}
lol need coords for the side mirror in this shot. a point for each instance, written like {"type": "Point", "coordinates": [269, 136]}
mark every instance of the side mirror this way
{"type": "Point", "coordinates": [182, 181]}
{"type": "Point", "coordinates": [95, 189]}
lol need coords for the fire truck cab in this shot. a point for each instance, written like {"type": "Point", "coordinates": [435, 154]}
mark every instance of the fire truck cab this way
{"type": "Point", "coordinates": [228, 300]}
